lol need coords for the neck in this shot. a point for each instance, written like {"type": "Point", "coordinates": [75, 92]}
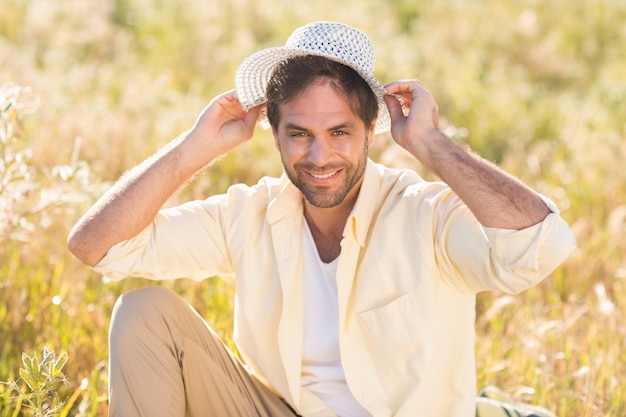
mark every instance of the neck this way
{"type": "Point", "coordinates": [326, 225]}
{"type": "Point", "coordinates": [328, 221]}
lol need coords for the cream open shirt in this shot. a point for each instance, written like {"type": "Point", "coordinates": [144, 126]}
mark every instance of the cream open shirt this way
{"type": "Point", "coordinates": [412, 259]}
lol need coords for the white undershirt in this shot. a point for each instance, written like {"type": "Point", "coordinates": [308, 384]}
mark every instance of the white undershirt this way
{"type": "Point", "coordinates": [322, 372]}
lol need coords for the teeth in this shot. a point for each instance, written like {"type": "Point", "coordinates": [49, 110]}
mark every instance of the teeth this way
{"type": "Point", "coordinates": [324, 176]}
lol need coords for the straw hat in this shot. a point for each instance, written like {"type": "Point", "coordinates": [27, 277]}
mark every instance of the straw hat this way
{"type": "Point", "coordinates": [335, 41]}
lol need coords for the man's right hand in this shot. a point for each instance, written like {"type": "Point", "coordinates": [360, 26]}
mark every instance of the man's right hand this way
{"type": "Point", "coordinates": [223, 125]}
{"type": "Point", "coordinates": [133, 202]}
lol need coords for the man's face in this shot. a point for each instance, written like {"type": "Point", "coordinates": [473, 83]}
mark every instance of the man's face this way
{"type": "Point", "coordinates": [323, 146]}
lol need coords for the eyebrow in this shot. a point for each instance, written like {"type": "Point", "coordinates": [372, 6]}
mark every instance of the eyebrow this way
{"type": "Point", "coordinates": [345, 125]}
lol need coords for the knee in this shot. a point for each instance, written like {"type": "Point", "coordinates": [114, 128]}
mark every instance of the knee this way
{"type": "Point", "coordinates": [136, 309]}
{"type": "Point", "coordinates": [144, 297]}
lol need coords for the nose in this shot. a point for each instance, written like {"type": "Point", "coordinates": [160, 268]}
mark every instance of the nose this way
{"type": "Point", "coordinates": [320, 151]}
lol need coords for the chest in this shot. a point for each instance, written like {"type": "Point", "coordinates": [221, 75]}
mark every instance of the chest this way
{"type": "Point", "coordinates": [328, 244]}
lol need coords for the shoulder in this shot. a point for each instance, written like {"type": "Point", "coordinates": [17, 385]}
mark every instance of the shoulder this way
{"type": "Point", "coordinates": [269, 198]}
{"type": "Point", "coordinates": [266, 186]}
{"type": "Point", "coordinates": [264, 192]}
{"type": "Point", "coordinates": [406, 182]}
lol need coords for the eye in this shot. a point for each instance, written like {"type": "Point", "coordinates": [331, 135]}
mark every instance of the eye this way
{"type": "Point", "coordinates": [339, 133]}
{"type": "Point", "coordinates": [298, 134]}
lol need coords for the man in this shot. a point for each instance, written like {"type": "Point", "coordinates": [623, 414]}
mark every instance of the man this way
{"type": "Point", "coordinates": [355, 282]}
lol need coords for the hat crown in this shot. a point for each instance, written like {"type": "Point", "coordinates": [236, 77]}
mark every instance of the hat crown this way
{"type": "Point", "coordinates": [341, 41]}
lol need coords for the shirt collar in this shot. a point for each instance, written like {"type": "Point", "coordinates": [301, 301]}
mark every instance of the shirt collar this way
{"type": "Point", "coordinates": [359, 221]}
{"type": "Point", "coordinates": [286, 202]}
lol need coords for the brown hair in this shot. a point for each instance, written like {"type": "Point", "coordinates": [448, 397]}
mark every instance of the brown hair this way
{"type": "Point", "coordinates": [294, 75]}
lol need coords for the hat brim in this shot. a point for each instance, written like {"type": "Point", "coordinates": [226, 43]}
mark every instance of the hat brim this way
{"type": "Point", "coordinates": [254, 73]}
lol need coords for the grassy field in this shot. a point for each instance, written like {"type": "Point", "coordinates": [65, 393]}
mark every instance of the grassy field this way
{"type": "Point", "coordinates": [90, 88]}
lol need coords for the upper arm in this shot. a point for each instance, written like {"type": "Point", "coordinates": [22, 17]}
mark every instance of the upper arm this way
{"type": "Point", "coordinates": [185, 241]}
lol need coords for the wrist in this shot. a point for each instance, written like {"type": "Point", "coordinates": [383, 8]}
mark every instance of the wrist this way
{"type": "Point", "coordinates": [196, 151]}
{"type": "Point", "coordinates": [430, 147]}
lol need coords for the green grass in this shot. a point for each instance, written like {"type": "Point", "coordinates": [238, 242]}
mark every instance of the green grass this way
{"type": "Point", "coordinates": [538, 87]}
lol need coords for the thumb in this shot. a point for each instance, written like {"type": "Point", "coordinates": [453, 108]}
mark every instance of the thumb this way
{"type": "Point", "coordinates": [252, 115]}
{"type": "Point", "coordinates": [394, 106]}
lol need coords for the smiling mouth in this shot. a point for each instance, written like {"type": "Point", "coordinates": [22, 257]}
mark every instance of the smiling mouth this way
{"type": "Point", "coordinates": [323, 176]}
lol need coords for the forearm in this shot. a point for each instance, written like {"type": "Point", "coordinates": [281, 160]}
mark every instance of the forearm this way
{"type": "Point", "coordinates": [495, 198]}
{"type": "Point", "coordinates": [134, 201]}
{"type": "Point", "coordinates": [131, 204]}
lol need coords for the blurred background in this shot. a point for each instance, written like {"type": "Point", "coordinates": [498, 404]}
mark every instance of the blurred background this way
{"type": "Point", "coordinates": [89, 88]}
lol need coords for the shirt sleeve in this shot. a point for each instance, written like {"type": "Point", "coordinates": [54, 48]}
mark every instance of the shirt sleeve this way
{"type": "Point", "coordinates": [181, 242]}
{"type": "Point", "coordinates": [477, 258]}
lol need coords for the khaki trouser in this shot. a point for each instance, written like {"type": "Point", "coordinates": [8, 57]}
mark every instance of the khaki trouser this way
{"type": "Point", "coordinates": [166, 361]}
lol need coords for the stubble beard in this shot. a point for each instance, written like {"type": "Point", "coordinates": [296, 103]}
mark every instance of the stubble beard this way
{"type": "Point", "coordinates": [322, 197]}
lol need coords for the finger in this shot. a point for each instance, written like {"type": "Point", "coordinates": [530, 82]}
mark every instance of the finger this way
{"type": "Point", "coordinates": [229, 96]}
{"type": "Point", "coordinates": [403, 87]}
{"type": "Point", "coordinates": [229, 102]}
{"type": "Point", "coordinates": [252, 115]}
{"type": "Point", "coordinates": [410, 90]}
{"type": "Point", "coordinates": [394, 106]}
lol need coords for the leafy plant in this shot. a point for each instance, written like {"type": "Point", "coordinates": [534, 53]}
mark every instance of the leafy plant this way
{"type": "Point", "coordinates": [38, 387]}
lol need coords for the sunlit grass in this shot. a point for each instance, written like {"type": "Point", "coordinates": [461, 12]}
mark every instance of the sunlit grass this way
{"type": "Point", "coordinates": [538, 87]}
